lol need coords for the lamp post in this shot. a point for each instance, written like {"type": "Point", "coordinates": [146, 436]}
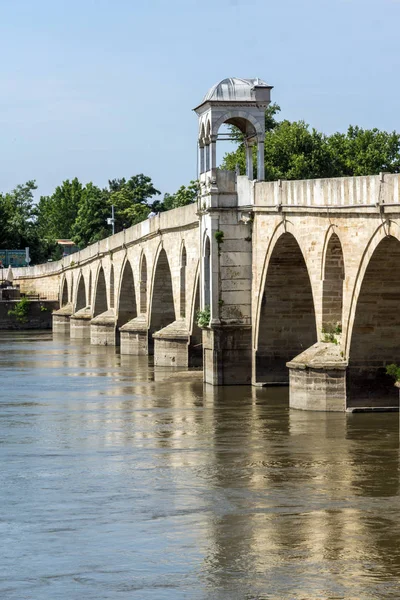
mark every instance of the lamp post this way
{"type": "Point", "coordinates": [111, 221]}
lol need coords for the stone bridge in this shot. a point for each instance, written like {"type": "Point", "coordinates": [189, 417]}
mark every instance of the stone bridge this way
{"type": "Point", "coordinates": [301, 279]}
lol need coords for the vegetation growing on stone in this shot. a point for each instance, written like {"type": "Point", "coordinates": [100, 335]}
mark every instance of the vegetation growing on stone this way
{"type": "Point", "coordinates": [203, 317]}
{"type": "Point", "coordinates": [20, 311]}
{"type": "Point", "coordinates": [394, 371]}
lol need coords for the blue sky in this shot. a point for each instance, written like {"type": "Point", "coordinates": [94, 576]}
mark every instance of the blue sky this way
{"type": "Point", "coordinates": [100, 89]}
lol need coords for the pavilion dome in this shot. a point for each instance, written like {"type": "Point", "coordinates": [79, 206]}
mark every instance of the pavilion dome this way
{"type": "Point", "coordinates": [234, 89]}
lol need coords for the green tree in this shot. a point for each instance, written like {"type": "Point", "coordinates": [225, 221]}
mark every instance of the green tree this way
{"type": "Point", "coordinates": [185, 195]}
{"type": "Point", "coordinates": [91, 222]}
{"type": "Point", "coordinates": [57, 213]}
{"type": "Point", "coordinates": [365, 151]}
{"type": "Point", "coordinates": [131, 199]}
{"type": "Point", "coordinates": [293, 151]}
{"type": "Point", "coordinates": [18, 220]}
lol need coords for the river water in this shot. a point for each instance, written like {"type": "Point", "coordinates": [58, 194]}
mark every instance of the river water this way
{"type": "Point", "coordinates": [121, 481]}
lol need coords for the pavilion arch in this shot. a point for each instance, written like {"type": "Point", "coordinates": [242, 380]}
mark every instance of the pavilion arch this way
{"type": "Point", "coordinates": [333, 275]}
{"type": "Point", "coordinates": [64, 292]}
{"type": "Point", "coordinates": [100, 293]}
{"type": "Point", "coordinates": [162, 311]}
{"type": "Point", "coordinates": [126, 296]}
{"type": "Point", "coordinates": [182, 282]}
{"type": "Point", "coordinates": [143, 284]}
{"type": "Point", "coordinates": [244, 121]}
{"type": "Point", "coordinates": [80, 293]}
{"type": "Point", "coordinates": [202, 132]}
{"type": "Point", "coordinates": [375, 332]}
{"type": "Point", "coordinates": [286, 321]}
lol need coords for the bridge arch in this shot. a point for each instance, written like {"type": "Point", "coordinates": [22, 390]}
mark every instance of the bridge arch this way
{"type": "Point", "coordinates": [112, 290]}
{"type": "Point", "coordinates": [182, 282]}
{"type": "Point", "coordinates": [162, 311]}
{"type": "Point", "coordinates": [384, 230]}
{"type": "Point", "coordinates": [64, 292]}
{"type": "Point", "coordinates": [286, 323]}
{"type": "Point", "coordinates": [100, 293]}
{"type": "Point", "coordinates": [333, 275]}
{"type": "Point", "coordinates": [126, 305]}
{"type": "Point", "coordinates": [80, 293]}
{"type": "Point", "coordinates": [375, 328]}
{"type": "Point", "coordinates": [196, 335]}
{"type": "Point", "coordinates": [206, 271]}
{"type": "Point", "coordinates": [143, 284]}
{"type": "Point", "coordinates": [90, 288]}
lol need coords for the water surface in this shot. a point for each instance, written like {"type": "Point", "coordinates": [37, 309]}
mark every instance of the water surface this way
{"type": "Point", "coordinates": [121, 481]}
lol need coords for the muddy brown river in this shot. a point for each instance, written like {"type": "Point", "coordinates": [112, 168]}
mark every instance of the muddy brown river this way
{"type": "Point", "coordinates": [121, 481]}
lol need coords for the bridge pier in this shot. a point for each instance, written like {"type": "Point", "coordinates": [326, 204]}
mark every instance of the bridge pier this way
{"type": "Point", "coordinates": [80, 324]}
{"type": "Point", "coordinates": [61, 319]}
{"type": "Point", "coordinates": [317, 379]}
{"type": "Point", "coordinates": [171, 345]}
{"type": "Point", "coordinates": [227, 355]}
{"type": "Point", "coordinates": [134, 337]}
{"type": "Point", "coordinates": [103, 330]}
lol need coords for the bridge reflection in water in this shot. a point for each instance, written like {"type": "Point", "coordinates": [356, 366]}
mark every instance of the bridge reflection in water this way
{"type": "Point", "coordinates": [122, 479]}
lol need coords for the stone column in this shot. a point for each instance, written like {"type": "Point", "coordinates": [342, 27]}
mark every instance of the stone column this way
{"type": "Point", "coordinates": [201, 150]}
{"type": "Point", "coordinates": [249, 161]}
{"type": "Point", "coordinates": [207, 156]}
{"type": "Point", "coordinates": [260, 161]}
{"type": "Point", "coordinates": [213, 152]}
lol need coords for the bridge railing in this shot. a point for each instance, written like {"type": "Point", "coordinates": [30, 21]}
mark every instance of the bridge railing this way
{"type": "Point", "coordinates": [178, 218]}
{"type": "Point", "coordinates": [338, 192]}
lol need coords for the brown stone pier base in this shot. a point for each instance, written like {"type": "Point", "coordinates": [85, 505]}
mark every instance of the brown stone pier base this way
{"type": "Point", "coordinates": [317, 379]}
{"type": "Point", "coordinates": [171, 345]}
{"type": "Point", "coordinates": [103, 331]}
{"type": "Point", "coordinates": [227, 355]}
{"type": "Point", "coordinates": [134, 337]}
{"type": "Point", "coordinates": [80, 324]}
{"type": "Point", "coordinates": [61, 319]}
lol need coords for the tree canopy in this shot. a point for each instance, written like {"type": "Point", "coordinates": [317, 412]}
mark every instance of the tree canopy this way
{"type": "Point", "coordinates": [79, 212]}
{"type": "Point", "coordinates": [294, 151]}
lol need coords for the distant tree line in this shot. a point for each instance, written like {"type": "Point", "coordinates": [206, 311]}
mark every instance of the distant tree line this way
{"type": "Point", "coordinates": [79, 212]}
